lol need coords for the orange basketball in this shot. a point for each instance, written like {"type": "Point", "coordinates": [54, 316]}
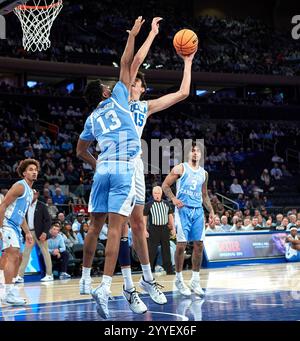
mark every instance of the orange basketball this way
{"type": "Point", "coordinates": [185, 42]}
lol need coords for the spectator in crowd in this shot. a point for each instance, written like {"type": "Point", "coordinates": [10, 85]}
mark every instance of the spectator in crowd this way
{"type": "Point", "coordinates": [238, 226]}
{"type": "Point", "coordinates": [235, 187]}
{"type": "Point", "coordinates": [70, 237]}
{"type": "Point", "coordinates": [82, 233]}
{"type": "Point", "coordinates": [58, 197]}
{"type": "Point", "coordinates": [214, 227]}
{"type": "Point", "coordinates": [78, 221]}
{"type": "Point", "coordinates": [283, 225]}
{"type": "Point", "coordinates": [276, 172]}
{"type": "Point", "coordinates": [61, 218]}
{"type": "Point", "coordinates": [292, 221]}
{"type": "Point", "coordinates": [285, 171]}
{"type": "Point", "coordinates": [39, 223]}
{"type": "Point", "coordinates": [279, 218]}
{"type": "Point", "coordinates": [58, 251]}
{"type": "Point", "coordinates": [224, 224]}
{"type": "Point", "coordinates": [52, 209]}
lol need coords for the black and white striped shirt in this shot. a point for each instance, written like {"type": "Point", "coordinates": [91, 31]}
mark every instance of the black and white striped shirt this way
{"type": "Point", "coordinates": [158, 212]}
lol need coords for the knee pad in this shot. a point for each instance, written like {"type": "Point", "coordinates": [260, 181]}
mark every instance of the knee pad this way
{"type": "Point", "coordinates": [124, 252]}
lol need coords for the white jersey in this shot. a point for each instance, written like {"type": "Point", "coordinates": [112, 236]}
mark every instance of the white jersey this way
{"type": "Point", "coordinates": [139, 110]}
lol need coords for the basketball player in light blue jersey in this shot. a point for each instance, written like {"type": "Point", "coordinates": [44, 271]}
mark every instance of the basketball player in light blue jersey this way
{"type": "Point", "coordinates": [191, 182]}
{"type": "Point", "coordinates": [292, 246]}
{"type": "Point", "coordinates": [113, 191]}
{"type": "Point", "coordinates": [141, 110]}
{"type": "Point", "coordinates": [12, 219]}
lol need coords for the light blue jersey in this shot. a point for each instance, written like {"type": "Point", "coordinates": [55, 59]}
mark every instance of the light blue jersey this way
{"type": "Point", "coordinates": [189, 186]}
{"type": "Point", "coordinates": [189, 220]}
{"type": "Point", "coordinates": [139, 110]}
{"type": "Point", "coordinates": [112, 125]}
{"type": "Point", "coordinates": [15, 212]}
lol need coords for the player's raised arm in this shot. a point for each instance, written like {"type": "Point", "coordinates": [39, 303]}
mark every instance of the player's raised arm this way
{"type": "Point", "coordinates": [175, 174]}
{"type": "Point", "coordinates": [12, 195]}
{"type": "Point", "coordinates": [167, 101]}
{"type": "Point", "coordinates": [144, 49]}
{"type": "Point", "coordinates": [128, 53]}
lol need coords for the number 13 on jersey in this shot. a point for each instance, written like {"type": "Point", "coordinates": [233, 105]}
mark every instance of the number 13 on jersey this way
{"type": "Point", "coordinates": [112, 122]}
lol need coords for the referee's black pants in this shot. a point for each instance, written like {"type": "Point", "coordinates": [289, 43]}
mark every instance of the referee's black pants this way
{"type": "Point", "coordinates": [160, 235]}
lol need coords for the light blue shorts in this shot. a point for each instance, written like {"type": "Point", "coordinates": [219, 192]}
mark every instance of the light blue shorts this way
{"type": "Point", "coordinates": [189, 222]}
{"type": "Point", "coordinates": [113, 189]}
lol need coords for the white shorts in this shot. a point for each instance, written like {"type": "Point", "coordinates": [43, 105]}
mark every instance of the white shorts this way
{"type": "Point", "coordinates": [9, 238]}
{"type": "Point", "coordinates": [140, 188]}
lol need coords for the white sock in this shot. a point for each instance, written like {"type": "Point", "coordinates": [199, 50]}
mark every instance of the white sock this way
{"type": "Point", "coordinates": [106, 280]}
{"type": "Point", "coordinates": [8, 288]}
{"type": "Point", "coordinates": [147, 273]}
{"type": "Point", "coordinates": [196, 276]}
{"type": "Point", "coordinates": [179, 276]}
{"type": "Point", "coordinates": [128, 283]}
{"type": "Point", "coordinates": [86, 273]}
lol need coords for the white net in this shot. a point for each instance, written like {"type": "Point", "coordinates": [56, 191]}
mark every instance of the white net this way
{"type": "Point", "coordinates": [36, 18]}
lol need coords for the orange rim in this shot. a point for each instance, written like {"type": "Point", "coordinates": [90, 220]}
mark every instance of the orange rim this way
{"type": "Point", "coordinates": [24, 7]}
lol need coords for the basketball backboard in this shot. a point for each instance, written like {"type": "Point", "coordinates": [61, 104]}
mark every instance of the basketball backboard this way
{"type": "Point", "coordinates": [6, 6]}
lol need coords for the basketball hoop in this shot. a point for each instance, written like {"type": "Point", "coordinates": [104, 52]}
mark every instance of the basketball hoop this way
{"type": "Point", "coordinates": [36, 21]}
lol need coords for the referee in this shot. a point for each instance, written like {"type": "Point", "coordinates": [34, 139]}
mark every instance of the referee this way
{"type": "Point", "coordinates": [161, 223]}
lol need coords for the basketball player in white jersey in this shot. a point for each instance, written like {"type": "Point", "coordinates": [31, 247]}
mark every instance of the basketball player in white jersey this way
{"type": "Point", "coordinates": [191, 183]}
{"type": "Point", "coordinates": [12, 219]}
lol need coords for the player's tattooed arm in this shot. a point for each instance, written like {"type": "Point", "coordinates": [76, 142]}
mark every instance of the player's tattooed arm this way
{"type": "Point", "coordinates": [169, 181]}
{"type": "Point", "coordinates": [82, 152]}
{"type": "Point", "coordinates": [206, 201]}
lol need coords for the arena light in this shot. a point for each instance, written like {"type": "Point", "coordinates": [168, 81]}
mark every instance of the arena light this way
{"type": "Point", "coordinates": [115, 64]}
{"type": "Point", "coordinates": [31, 84]}
{"type": "Point", "coordinates": [201, 92]}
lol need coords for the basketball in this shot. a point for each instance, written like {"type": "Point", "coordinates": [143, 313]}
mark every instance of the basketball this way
{"type": "Point", "coordinates": [185, 42]}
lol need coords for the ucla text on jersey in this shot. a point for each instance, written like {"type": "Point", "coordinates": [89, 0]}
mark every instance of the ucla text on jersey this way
{"type": "Point", "coordinates": [139, 110]}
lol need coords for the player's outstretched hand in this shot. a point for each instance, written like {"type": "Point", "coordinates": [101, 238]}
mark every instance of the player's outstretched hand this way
{"type": "Point", "coordinates": [188, 58]}
{"type": "Point", "coordinates": [155, 25]}
{"type": "Point", "coordinates": [137, 26]}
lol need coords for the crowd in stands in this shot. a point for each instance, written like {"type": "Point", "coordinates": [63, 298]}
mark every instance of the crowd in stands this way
{"type": "Point", "coordinates": [93, 32]}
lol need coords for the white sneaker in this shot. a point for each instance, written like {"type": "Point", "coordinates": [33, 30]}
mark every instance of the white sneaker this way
{"type": "Point", "coordinates": [64, 275]}
{"type": "Point", "coordinates": [182, 288]}
{"type": "Point", "coordinates": [153, 289]}
{"type": "Point", "coordinates": [47, 278]}
{"type": "Point", "coordinates": [134, 301]}
{"type": "Point", "coordinates": [18, 279]}
{"type": "Point", "coordinates": [196, 287]}
{"type": "Point", "coordinates": [13, 298]}
{"type": "Point", "coordinates": [101, 295]}
{"type": "Point", "coordinates": [85, 286]}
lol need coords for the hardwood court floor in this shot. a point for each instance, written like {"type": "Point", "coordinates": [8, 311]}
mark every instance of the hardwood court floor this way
{"type": "Point", "coordinates": [238, 293]}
